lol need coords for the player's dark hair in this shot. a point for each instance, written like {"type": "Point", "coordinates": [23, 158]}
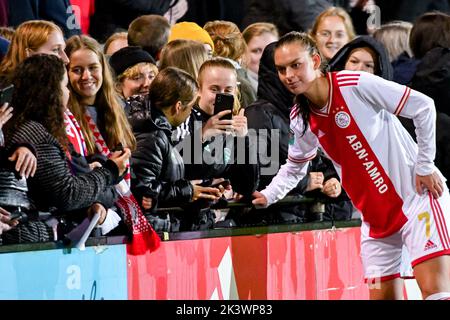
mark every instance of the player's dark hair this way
{"type": "Point", "coordinates": [308, 43]}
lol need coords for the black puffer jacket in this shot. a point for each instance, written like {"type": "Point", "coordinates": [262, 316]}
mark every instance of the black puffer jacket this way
{"type": "Point", "coordinates": [383, 67]}
{"type": "Point", "coordinates": [270, 111]}
{"type": "Point", "coordinates": [157, 167]}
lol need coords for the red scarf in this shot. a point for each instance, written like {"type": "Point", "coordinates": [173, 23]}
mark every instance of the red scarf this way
{"type": "Point", "coordinates": [144, 237]}
{"type": "Point", "coordinates": [74, 134]}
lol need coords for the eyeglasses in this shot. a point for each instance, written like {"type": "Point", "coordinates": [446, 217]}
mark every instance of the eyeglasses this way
{"type": "Point", "coordinates": [327, 34]}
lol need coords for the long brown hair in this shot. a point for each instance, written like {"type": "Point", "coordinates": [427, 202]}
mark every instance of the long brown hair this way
{"type": "Point", "coordinates": [29, 35]}
{"type": "Point", "coordinates": [112, 119]}
{"type": "Point", "coordinates": [429, 31]}
{"type": "Point", "coordinates": [187, 55]}
{"type": "Point", "coordinates": [38, 95]}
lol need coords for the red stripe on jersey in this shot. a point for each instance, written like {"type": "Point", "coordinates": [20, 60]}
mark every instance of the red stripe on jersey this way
{"type": "Point", "coordinates": [344, 75]}
{"type": "Point", "coordinates": [444, 222]}
{"type": "Point", "coordinates": [442, 227]}
{"type": "Point", "coordinates": [363, 176]}
{"type": "Point", "coordinates": [301, 160]}
{"type": "Point", "coordinates": [430, 256]}
{"type": "Point", "coordinates": [402, 102]}
{"type": "Point", "coordinates": [348, 79]}
{"type": "Point", "coordinates": [295, 111]}
{"type": "Point", "coordinates": [436, 219]}
{"type": "Point", "coordinates": [294, 108]}
{"type": "Point", "coordinates": [319, 113]}
{"type": "Point", "coordinates": [295, 114]}
{"type": "Point", "coordinates": [348, 84]}
{"type": "Point", "coordinates": [381, 279]}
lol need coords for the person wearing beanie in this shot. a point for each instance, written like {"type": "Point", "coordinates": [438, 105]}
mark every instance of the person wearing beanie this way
{"type": "Point", "coordinates": [134, 71]}
{"type": "Point", "coordinates": [192, 31]}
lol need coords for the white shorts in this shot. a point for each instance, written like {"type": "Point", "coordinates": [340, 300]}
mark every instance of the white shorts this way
{"type": "Point", "coordinates": [425, 235]}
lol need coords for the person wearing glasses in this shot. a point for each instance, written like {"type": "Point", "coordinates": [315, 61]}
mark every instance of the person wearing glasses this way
{"type": "Point", "coordinates": [332, 29]}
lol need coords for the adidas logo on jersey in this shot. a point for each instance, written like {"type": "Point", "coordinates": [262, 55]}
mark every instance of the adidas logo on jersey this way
{"type": "Point", "coordinates": [430, 245]}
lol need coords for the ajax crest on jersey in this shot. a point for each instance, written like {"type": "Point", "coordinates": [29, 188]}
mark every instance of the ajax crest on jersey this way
{"type": "Point", "coordinates": [342, 119]}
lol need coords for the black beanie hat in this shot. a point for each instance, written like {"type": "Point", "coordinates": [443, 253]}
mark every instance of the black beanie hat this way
{"type": "Point", "coordinates": [127, 57]}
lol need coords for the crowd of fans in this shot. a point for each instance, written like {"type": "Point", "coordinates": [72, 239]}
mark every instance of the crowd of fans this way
{"type": "Point", "coordinates": [121, 109]}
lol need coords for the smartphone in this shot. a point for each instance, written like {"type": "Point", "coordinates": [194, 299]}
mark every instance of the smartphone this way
{"type": "Point", "coordinates": [224, 101]}
{"type": "Point", "coordinates": [119, 147]}
{"type": "Point", "coordinates": [6, 94]}
{"type": "Point", "coordinates": [19, 216]}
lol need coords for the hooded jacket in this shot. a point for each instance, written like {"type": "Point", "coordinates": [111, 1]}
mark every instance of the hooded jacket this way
{"type": "Point", "coordinates": [383, 66]}
{"type": "Point", "coordinates": [270, 111]}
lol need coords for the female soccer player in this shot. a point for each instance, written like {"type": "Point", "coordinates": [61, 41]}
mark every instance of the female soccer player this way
{"type": "Point", "coordinates": [391, 180]}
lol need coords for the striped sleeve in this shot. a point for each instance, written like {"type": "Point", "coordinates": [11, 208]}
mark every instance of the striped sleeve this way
{"type": "Point", "coordinates": [405, 102]}
{"type": "Point", "coordinates": [53, 185]}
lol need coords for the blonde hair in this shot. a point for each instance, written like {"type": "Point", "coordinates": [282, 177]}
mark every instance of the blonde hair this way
{"type": "Point", "coordinates": [334, 12]}
{"type": "Point", "coordinates": [187, 55]}
{"type": "Point", "coordinates": [30, 35]}
{"type": "Point", "coordinates": [132, 72]}
{"type": "Point", "coordinates": [259, 28]}
{"type": "Point", "coordinates": [395, 37]}
{"type": "Point", "coordinates": [225, 64]}
{"type": "Point", "coordinates": [114, 37]}
{"type": "Point", "coordinates": [227, 38]}
{"type": "Point", "coordinates": [116, 127]}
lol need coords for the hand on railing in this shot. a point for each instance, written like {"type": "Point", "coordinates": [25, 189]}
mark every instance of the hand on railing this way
{"type": "Point", "coordinates": [259, 200]}
{"type": "Point", "coordinates": [332, 188]}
